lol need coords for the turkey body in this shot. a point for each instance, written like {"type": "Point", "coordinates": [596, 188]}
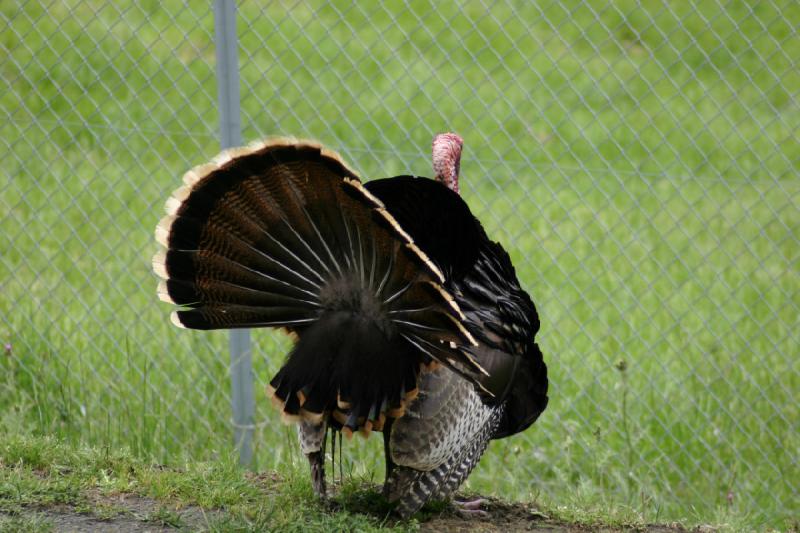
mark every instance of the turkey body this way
{"type": "Point", "coordinates": [432, 449]}
{"type": "Point", "coordinates": [408, 318]}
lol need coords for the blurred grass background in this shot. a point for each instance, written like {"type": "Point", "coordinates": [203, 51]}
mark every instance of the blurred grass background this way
{"type": "Point", "coordinates": [639, 163]}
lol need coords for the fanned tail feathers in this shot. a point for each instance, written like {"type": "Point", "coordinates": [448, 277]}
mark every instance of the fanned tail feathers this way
{"type": "Point", "coordinates": [283, 234]}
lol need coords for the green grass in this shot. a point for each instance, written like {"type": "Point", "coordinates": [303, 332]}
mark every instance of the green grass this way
{"type": "Point", "coordinates": [640, 165]}
{"type": "Point", "coordinates": [40, 476]}
{"type": "Point", "coordinates": [40, 473]}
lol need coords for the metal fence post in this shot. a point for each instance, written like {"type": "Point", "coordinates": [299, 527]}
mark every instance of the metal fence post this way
{"type": "Point", "coordinates": [230, 134]}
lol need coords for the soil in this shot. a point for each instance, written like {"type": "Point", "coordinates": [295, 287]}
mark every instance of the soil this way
{"type": "Point", "coordinates": [123, 513]}
{"type": "Point", "coordinates": [127, 513]}
{"type": "Point", "coordinates": [515, 517]}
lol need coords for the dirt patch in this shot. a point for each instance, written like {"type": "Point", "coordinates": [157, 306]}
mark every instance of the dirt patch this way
{"type": "Point", "coordinates": [122, 513]}
{"type": "Point", "coordinates": [69, 520]}
{"type": "Point", "coordinates": [129, 513]}
{"type": "Point", "coordinates": [506, 517]}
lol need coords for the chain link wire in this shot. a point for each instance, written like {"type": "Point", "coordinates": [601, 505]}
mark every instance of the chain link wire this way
{"type": "Point", "coordinates": [639, 161]}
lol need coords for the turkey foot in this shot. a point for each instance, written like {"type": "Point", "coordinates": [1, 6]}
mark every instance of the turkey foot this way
{"type": "Point", "coordinates": [471, 508]}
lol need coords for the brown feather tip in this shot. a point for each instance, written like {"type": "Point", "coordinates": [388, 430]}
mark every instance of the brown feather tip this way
{"type": "Point", "coordinates": [366, 429]}
{"type": "Point", "coordinates": [450, 301]}
{"type": "Point", "coordinates": [341, 404]}
{"type": "Point", "coordinates": [331, 154]}
{"type": "Point", "coordinates": [287, 419]}
{"type": "Point", "coordinates": [198, 173]}
{"type": "Point", "coordinates": [475, 364]}
{"type": "Point", "coordinates": [159, 264]}
{"type": "Point", "coordinates": [285, 142]}
{"type": "Point", "coordinates": [163, 293]}
{"type": "Point", "coordinates": [274, 399]}
{"type": "Point", "coordinates": [377, 425]}
{"type": "Point", "coordinates": [484, 389]}
{"type": "Point", "coordinates": [357, 185]}
{"type": "Point", "coordinates": [289, 333]}
{"type": "Point", "coordinates": [396, 412]}
{"type": "Point", "coordinates": [281, 141]}
{"type": "Point", "coordinates": [226, 156]}
{"type": "Point", "coordinates": [193, 176]}
{"type": "Point", "coordinates": [347, 432]}
{"type": "Point", "coordinates": [176, 321]}
{"type": "Point", "coordinates": [311, 416]}
{"type": "Point", "coordinates": [163, 230]}
{"type": "Point", "coordinates": [176, 199]}
{"type": "Point", "coordinates": [190, 178]}
{"type": "Point", "coordinates": [431, 265]}
{"type": "Point", "coordinates": [466, 334]}
{"type": "Point", "coordinates": [394, 223]}
{"type": "Point", "coordinates": [339, 416]}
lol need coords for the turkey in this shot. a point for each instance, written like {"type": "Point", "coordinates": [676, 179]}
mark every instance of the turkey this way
{"type": "Point", "coordinates": [407, 318]}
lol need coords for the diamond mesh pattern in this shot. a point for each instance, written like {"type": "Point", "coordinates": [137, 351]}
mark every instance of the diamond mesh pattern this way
{"type": "Point", "coordinates": [638, 161]}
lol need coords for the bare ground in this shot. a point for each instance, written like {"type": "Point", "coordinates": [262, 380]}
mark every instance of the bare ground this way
{"type": "Point", "coordinates": [123, 513]}
{"type": "Point", "coordinates": [128, 513]}
{"type": "Point", "coordinates": [515, 517]}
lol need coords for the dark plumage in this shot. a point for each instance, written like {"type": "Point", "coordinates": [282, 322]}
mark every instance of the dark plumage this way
{"type": "Point", "coordinates": [408, 318]}
{"type": "Point", "coordinates": [479, 272]}
{"type": "Point", "coordinates": [501, 317]}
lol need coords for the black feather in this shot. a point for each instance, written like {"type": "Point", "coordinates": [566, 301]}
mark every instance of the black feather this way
{"type": "Point", "coordinates": [438, 219]}
{"type": "Point", "coordinates": [499, 314]}
{"type": "Point", "coordinates": [284, 236]}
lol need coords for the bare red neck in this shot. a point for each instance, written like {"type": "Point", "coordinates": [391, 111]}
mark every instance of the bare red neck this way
{"type": "Point", "coordinates": [447, 158]}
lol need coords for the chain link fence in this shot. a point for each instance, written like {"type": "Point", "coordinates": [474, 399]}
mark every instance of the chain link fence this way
{"type": "Point", "coordinates": [639, 161]}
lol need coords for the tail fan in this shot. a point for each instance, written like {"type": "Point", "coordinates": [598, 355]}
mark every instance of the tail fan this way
{"type": "Point", "coordinates": [283, 234]}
